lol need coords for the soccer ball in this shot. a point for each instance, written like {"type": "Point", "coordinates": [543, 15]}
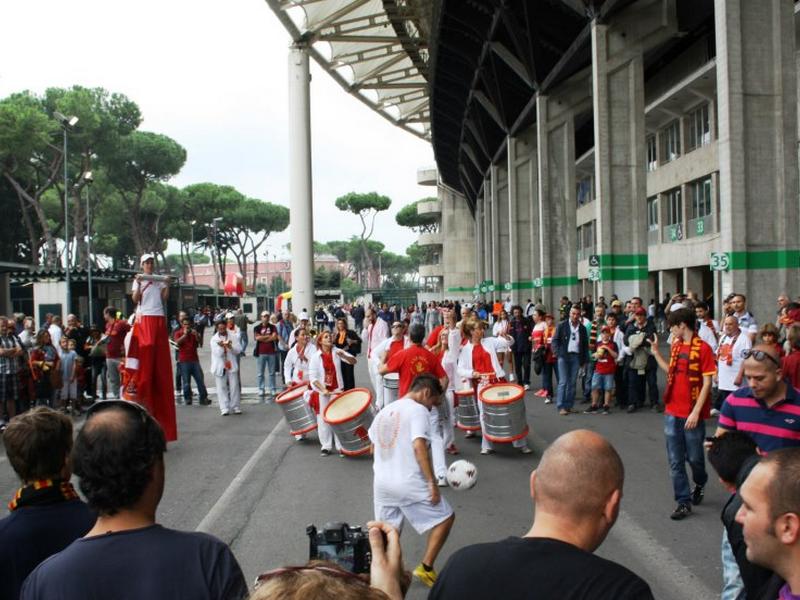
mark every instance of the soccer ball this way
{"type": "Point", "coordinates": [462, 475]}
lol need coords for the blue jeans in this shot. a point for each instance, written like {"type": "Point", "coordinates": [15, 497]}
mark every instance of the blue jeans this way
{"type": "Point", "coordinates": [244, 340]}
{"type": "Point", "coordinates": [270, 361]}
{"type": "Point", "coordinates": [685, 445]}
{"type": "Point", "coordinates": [587, 380]}
{"type": "Point", "coordinates": [548, 371]}
{"type": "Point", "coordinates": [568, 366]}
{"type": "Point", "coordinates": [192, 369]}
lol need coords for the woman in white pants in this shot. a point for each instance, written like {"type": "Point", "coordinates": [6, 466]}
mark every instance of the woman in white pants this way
{"type": "Point", "coordinates": [443, 418]}
{"type": "Point", "coordinates": [478, 362]}
{"type": "Point", "coordinates": [325, 374]}
{"type": "Point", "coordinates": [225, 347]}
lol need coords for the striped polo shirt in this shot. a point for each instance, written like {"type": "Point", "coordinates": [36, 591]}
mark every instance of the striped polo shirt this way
{"type": "Point", "coordinates": [771, 428]}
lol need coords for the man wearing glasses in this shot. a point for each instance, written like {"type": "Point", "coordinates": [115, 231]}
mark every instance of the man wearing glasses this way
{"type": "Point", "coordinates": [768, 408]}
{"type": "Point", "coordinates": [119, 459]}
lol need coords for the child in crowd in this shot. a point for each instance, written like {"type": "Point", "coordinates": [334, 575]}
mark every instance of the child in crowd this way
{"type": "Point", "coordinates": [604, 370]}
{"type": "Point", "coordinates": [69, 386]}
{"type": "Point", "coordinates": [769, 336]}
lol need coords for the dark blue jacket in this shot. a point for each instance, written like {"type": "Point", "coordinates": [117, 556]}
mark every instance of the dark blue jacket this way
{"type": "Point", "coordinates": [561, 340]}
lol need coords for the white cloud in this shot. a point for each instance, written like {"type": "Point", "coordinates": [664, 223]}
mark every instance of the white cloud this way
{"type": "Point", "coordinates": [213, 76]}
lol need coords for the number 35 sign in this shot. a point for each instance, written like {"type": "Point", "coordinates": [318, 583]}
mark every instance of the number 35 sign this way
{"type": "Point", "coordinates": [720, 261]}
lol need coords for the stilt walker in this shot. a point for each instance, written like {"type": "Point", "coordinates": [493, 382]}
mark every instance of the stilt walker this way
{"type": "Point", "coordinates": [151, 339]}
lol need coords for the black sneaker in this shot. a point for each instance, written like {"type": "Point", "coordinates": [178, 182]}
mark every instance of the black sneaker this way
{"type": "Point", "coordinates": [325, 452]}
{"type": "Point", "coordinates": [606, 410]}
{"type": "Point", "coordinates": [631, 408]}
{"type": "Point", "coordinates": [681, 512]}
{"type": "Point", "coordinates": [697, 494]}
{"type": "Point", "coordinates": [591, 410]}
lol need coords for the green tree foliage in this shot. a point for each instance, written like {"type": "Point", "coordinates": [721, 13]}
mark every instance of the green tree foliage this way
{"type": "Point", "coordinates": [409, 216]}
{"type": "Point", "coordinates": [325, 279]}
{"type": "Point", "coordinates": [366, 207]}
{"type": "Point", "coordinates": [141, 161]}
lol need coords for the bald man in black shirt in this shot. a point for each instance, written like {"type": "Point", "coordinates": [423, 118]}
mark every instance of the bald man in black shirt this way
{"type": "Point", "coordinates": [554, 559]}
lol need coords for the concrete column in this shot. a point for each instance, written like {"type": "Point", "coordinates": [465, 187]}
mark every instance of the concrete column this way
{"type": "Point", "coordinates": [301, 219]}
{"type": "Point", "coordinates": [513, 235]}
{"type": "Point", "coordinates": [667, 283]}
{"type": "Point", "coordinates": [495, 231]}
{"type": "Point", "coordinates": [758, 172]}
{"type": "Point", "coordinates": [620, 175]}
{"type": "Point", "coordinates": [480, 242]}
{"type": "Point", "coordinates": [488, 244]}
{"type": "Point", "coordinates": [533, 215]}
{"type": "Point", "coordinates": [556, 178]}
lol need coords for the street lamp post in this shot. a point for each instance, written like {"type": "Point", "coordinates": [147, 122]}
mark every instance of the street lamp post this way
{"type": "Point", "coordinates": [87, 177]}
{"type": "Point", "coordinates": [215, 258]}
{"type": "Point", "coordinates": [66, 123]}
{"type": "Point", "coordinates": [191, 248]}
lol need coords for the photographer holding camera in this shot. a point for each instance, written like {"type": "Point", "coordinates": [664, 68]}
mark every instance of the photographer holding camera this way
{"type": "Point", "coordinates": [321, 580]}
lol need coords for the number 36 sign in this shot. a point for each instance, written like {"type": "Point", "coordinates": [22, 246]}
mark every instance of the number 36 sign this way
{"type": "Point", "coordinates": [720, 261]}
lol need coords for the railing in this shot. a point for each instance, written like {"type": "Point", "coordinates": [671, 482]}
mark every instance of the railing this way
{"type": "Point", "coordinates": [700, 226]}
{"type": "Point", "coordinates": [672, 233]}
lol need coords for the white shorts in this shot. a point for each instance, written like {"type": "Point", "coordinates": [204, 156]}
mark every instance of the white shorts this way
{"type": "Point", "coordinates": [422, 515]}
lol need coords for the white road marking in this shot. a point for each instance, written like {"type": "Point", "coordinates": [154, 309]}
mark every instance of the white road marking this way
{"type": "Point", "coordinates": [231, 492]}
{"type": "Point", "coordinates": [664, 565]}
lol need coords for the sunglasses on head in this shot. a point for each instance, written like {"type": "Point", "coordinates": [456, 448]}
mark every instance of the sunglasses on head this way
{"type": "Point", "coordinates": [331, 571]}
{"type": "Point", "coordinates": [760, 355]}
{"type": "Point", "coordinates": [124, 404]}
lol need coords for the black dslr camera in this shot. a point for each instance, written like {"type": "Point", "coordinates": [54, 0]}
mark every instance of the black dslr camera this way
{"type": "Point", "coordinates": [346, 546]}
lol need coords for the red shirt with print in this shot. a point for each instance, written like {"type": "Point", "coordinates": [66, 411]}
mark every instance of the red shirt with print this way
{"type": "Point", "coordinates": [606, 365]}
{"type": "Point", "coordinates": [187, 349]}
{"type": "Point", "coordinates": [680, 404]}
{"type": "Point", "coordinates": [411, 362]}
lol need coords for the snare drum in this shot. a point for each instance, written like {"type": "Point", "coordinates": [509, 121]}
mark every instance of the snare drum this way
{"type": "Point", "coordinates": [391, 383]}
{"type": "Point", "coordinates": [467, 416]}
{"type": "Point", "coordinates": [299, 415]}
{"type": "Point", "coordinates": [350, 415]}
{"type": "Point", "coordinates": [504, 417]}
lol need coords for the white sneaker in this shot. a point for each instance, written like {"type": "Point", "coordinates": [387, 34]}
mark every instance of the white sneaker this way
{"type": "Point", "coordinates": [714, 412]}
{"type": "Point", "coordinates": [237, 411]}
{"type": "Point", "coordinates": [526, 386]}
{"type": "Point", "coordinates": [441, 481]}
{"type": "Point", "coordinates": [224, 413]}
{"type": "Point", "coordinates": [548, 400]}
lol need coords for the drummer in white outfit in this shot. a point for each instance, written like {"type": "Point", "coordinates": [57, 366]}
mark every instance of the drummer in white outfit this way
{"type": "Point", "coordinates": [384, 351]}
{"type": "Point", "coordinates": [504, 343]}
{"type": "Point", "coordinates": [374, 333]}
{"type": "Point", "coordinates": [225, 347]}
{"type": "Point", "coordinates": [327, 382]}
{"type": "Point", "coordinates": [296, 365]}
{"type": "Point", "coordinates": [445, 420]}
{"type": "Point", "coordinates": [468, 370]}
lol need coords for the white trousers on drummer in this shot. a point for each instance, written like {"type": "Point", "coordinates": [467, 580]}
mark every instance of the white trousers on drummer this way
{"type": "Point", "coordinates": [449, 419]}
{"type": "Point", "coordinates": [327, 438]}
{"type": "Point", "coordinates": [437, 442]}
{"type": "Point", "coordinates": [228, 392]}
{"type": "Point", "coordinates": [485, 443]}
{"type": "Point", "coordinates": [377, 383]}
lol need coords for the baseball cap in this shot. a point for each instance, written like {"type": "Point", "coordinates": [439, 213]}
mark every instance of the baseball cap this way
{"type": "Point", "coordinates": [640, 311]}
{"type": "Point", "coordinates": [264, 313]}
{"type": "Point", "coordinates": [616, 303]}
{"type": "Point", "coordinates": [229, 315]}
{"type": "Point", "coordinates": [145, 258]}
{"type": "Point", "coordinates": [605, 329]}
{"type": "Point", "coordinates": [303, 316]}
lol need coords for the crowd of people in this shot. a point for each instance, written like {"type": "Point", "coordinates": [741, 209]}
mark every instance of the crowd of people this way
{"type": "Point", "coordinates": [603, 354]}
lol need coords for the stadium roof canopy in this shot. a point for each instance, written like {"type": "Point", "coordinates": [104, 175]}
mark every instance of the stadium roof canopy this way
{"type": "Point", "coordinates": [377, 50]}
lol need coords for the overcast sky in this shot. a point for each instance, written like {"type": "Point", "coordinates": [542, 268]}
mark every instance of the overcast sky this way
{"type": "Point", "coordinates": [213, 76]}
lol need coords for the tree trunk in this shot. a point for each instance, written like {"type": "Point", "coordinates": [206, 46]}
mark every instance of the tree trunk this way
{"type": "Point", "coordinates": [34, 239]}
{"type": "Point", "coordinates": [51, 257]}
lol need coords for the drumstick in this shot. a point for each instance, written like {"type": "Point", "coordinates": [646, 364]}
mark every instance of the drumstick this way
{"type": "Point", "coordinates": [145, 277]}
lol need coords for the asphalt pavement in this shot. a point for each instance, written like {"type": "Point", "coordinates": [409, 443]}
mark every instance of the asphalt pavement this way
{"type": "Point", "coordinates": [247, 481]}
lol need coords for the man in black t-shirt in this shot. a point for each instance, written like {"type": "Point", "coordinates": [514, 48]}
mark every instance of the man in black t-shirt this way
{"type": "Point", "coordinates": [119, 460]}
{"type": "Point", "coordinates": [574, 513]}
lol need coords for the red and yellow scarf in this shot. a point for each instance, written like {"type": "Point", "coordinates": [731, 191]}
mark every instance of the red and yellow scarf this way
{"type": "Point", "coordinates": [695, 376]}
{"type": "Point", "coordinates": [43, 492]}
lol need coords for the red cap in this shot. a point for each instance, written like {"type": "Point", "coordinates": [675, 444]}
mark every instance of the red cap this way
{"type": "Point", "coordinates": [605, 329]}
{"type": "Point", "coordinates": [640, 311]}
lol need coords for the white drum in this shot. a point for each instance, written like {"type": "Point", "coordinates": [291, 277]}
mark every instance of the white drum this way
{"type": "Point", "coordinates": [350, 415]}
{"type": "Point", "coordinates": [467, 416]}
{"type": "Point", "coordinates": [504, 418]}
{"type": "Point", "coordinates": [299, 415]}
{"type": "Point", "coordinates": [391, 384]}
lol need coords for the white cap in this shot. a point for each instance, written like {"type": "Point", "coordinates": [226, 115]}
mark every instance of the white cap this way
{"type": "Point", "coordinates": [303, 316]}
{"type": "Point", "coordinates": [677, 306]}
{"type": "Point", "coordinates": [145, 258]}
{"type": "Point", "coordinates": [229, 315]}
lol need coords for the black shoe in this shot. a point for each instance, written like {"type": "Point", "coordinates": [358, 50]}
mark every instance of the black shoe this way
{"type": "Point", "coordinates": [697, 494]}
{"type": "Point", "coordinates": [205, 401]}
{"type": "Point", "coordinates": [631, 408]}
{"type": "Point", "coordinates": [324, 452]}
{"type": "Point", "coordinates": [656, 408]}
{"type": "Point", "coordinates": [606, 410]}
{"type": "Point", "coordinates": [591, 410]}
{"type": "Point", "coordinates": [681, 512]}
